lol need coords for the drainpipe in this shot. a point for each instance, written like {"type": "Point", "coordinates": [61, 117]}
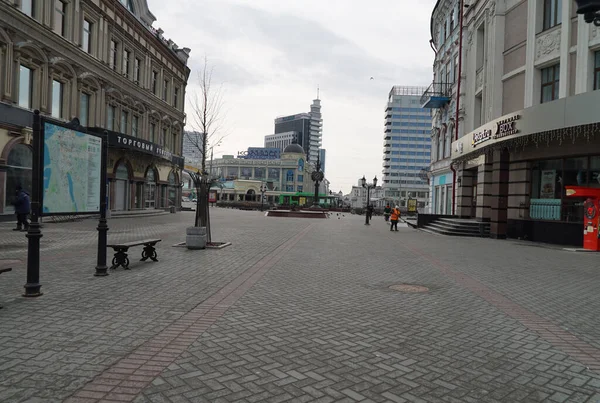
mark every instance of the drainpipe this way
{"type": "Point", "coordinates": [460, 43]}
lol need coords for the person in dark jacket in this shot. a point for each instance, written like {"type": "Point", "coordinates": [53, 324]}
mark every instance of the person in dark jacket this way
{"type": "Point", "coordinates": [22, 209]}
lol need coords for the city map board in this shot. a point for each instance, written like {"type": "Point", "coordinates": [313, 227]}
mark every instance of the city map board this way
{"type": "Point", "coordinates": [72, 171]}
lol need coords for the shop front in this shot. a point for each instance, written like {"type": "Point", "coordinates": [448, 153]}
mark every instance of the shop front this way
{"type": "Point", "coordinates": [513, 171]}
{"type": "Point", "coordinates": [141, 175]}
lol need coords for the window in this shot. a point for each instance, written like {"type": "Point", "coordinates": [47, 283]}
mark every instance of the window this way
{"type": "Point", "coordinates": [86, 38]}
{"type": "Point", "coordinates": [28, 7]}
{"type": "Point", "coordinates": [552, 13]}
{"type": "Point", "coordinates": [57, 99]}
{"type": "Point", "coordinates": [136, 70]}
{"type": "Point", "coordinates": [174, 140]}
{"type": "Point", "coordinates": [84, 108]}
{"type": "Point", "coordinates": [152, 132]}
{"type": "Point", "coordinates": [163, 141]}
{"type": "Point", "coordinates": [126, 59]}
{"type": "Point", "coordinates": [176, 94]}
{"type": "Point", "coordinates": [112, 61]}
{"type": "Point", "coordinates": [154, 82]}
{"type": "Point", "coordinates": [452, 20]}
{"type": "Point", "coordinates": [165, 89]}
{"type": "Point", "coordinates": [550, 80]}
{"type": "Point", "coordinates": [448, 73]}
{"type": "Point", "coordinates": [124, 120]}
{"type": "Point", "coordinates": [134, 125]}
{"type": "Point", "coordinates": [597, 70]}
{"type": "Point", "coordinates": [128, 4]}
{"type": "Point", "coordinates": [110, 117]}
{"type": "Point", "coordinates": [25, 87]}
{"type": "Point", "coordinates": [455, 78]}
{"type": "Point", "coordinates": [60, 12]}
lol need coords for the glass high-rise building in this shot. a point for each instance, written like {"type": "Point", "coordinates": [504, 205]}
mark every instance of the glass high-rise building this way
{"type": "Point", "coordinates": [406, 147]}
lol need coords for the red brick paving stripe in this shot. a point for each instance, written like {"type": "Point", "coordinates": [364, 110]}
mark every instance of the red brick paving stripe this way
{"type": "Point", "coordinates": [126, 379]}
{"type": "Point", "coordinates": [563, 340]}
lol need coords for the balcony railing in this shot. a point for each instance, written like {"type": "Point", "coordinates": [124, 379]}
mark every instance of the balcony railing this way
{"type": "Point", "coordinates": [436, 96]}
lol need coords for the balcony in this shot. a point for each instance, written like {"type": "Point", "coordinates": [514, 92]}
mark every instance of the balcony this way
{"type": "Point", "coordinates": [386, 164]}
{"type": "Point", "coordinates": [386, 150]}
{"type": "Point", "coordinates": [436, 96]}
{"type": "Point", "coordinates": [387, 157]}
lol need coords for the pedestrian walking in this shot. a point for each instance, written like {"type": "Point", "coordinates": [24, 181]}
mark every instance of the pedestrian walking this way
{"type": "Point", "coordinates": [394, 216]}
{"type": "Point", "coordinates": [386, 212]}
{"type": "Point", "coordinates": [22, 208]}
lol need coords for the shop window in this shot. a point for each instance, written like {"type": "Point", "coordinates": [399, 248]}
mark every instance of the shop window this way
{"type": "Point", "coordinates": [18, 172]}
{"type": "Point", "coordinates": [246, 173]}
{"type": "Point", "coordinates": [150, 189]}
{"type": "Point", "coordinates": [25, 87]}
{"type": "Point", "coordinates": [552, 13]}
{"type": "Point", "coordinates": [259, 173]}
{"type": "Point", "coordinates": [274, 173]}
{"type": "Point", "coordinates": [550, 81]}
{"type": "Point", "coordinates": [597, 70]}
{"type": "Point", "coordinates": [232, 172]}
{"type": "Point", "coordinates": [594, 172]}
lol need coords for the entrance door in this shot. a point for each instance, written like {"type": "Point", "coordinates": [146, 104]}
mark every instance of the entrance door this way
{"type": "Point", "coordinates": [474, 198]}
{"type": "Point", "coordinates": [443, 201]}
{"type": "Point", "coordinates": [438, 201]}
{"type": "Point", "coordinates": [120, 195]}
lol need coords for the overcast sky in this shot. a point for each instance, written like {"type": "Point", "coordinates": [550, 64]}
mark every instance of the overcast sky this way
{"type": "Point", "coordinates": [270, 56]}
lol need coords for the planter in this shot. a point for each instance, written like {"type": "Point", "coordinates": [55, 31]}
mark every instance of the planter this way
{"type": "Point", "coordinates": [195, 237]}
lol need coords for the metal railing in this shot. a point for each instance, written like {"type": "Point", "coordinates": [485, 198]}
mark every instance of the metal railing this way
{"type": "Point", "coordinates": [436, 90]}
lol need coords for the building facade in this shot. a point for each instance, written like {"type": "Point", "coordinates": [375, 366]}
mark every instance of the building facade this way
{"type": "Point", "coordinates": [103, 63]}
{"type": "Point", "coordinates": [306, 129]}
{"type": "Point", "coordinates": [531, 118]}
{"type": "Point", "coordinates": [441, 99]}
{"type": "Point", "coordinates": [280, 140]}
{"type": "Point", "coordinates": [407, 146]}
{"type": "Point", "coordinates": [286, 176]}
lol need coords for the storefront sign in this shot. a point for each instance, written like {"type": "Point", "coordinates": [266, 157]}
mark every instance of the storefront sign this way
{"type": "Point", "coordinates": [255, 153]}
{"type": "Point", "coordinates": [118, 140]}
{"type": "Point", "coordinates": [503, 128]}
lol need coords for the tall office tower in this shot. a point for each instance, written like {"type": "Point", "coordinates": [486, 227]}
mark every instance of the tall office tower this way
{"type": "Point", "coordinates": [407, 146]}
{"type": "Point", "coordinates": [306, 127]}
{"type": "Point", "coordinates": [280, 140]}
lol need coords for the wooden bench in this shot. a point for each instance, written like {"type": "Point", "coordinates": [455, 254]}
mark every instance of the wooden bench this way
{"type": "Point", "coordinates": [121, 259]}
{"type": "Point", "coordinates": [5, 267]}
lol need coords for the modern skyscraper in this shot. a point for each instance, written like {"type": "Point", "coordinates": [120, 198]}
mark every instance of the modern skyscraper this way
{"type": "Point", "coordinates": [407, 146]}
{"type": "Point", "coordinates": [323, 155]}
{"type": "Point", "coordinates": [306, 127]}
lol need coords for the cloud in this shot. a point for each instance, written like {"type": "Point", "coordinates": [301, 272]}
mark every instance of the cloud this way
{"type": "Point", "coordinates": [271, 55]}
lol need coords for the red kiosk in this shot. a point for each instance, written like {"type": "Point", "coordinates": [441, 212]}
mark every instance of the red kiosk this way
{"type": "Point", "coordinates": [591, 215]}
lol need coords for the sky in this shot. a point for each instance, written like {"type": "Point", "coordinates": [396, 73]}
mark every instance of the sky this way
{"type": "Point", "coordinates": [269, 57]}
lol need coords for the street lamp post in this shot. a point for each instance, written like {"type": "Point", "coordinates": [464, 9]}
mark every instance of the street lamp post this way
{"type": "Point", "coordinates": [263, 189]}
{"type": "Point", "coordinates": [590, 10]}
{"type": "Point", "coordinates": [368, 186]}
{"type": "Point", "coordinates": [317, 176]}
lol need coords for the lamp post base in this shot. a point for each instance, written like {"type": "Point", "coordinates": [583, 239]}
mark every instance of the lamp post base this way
{"type": "Point", "coordinates": [33, 290]}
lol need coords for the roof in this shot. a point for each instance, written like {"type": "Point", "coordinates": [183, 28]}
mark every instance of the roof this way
{"type": "Point", "coordinates": [294, 148]}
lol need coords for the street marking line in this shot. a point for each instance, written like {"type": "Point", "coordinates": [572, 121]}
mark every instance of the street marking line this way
{"type": "Point", "coordinates": [559, 338]}
{"type": "Point", "coordinates": [156, 354]}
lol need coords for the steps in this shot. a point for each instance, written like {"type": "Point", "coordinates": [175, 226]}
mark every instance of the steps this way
{"type": "Point", "coordinates": [458, 227]}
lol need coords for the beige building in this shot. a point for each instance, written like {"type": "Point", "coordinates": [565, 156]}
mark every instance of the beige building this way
{"type": "Point", "coordinates": [100, 61]}
{"type": "Point", "coordinates": [532, 112]}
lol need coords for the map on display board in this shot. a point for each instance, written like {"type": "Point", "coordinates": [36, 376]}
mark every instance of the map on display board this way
{"type": "Point", "coordinates": [72, 164]}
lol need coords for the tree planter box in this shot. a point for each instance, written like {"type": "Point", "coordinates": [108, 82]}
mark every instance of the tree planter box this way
{"type": "Point", "coordinates": [195, 238]}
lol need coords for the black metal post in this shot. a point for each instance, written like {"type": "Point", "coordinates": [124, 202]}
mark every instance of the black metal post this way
{"type": "Point", "coordinates": [101, 269]}
{"type": "Point", "coordinates": [262, 201]}
{"type": "Point", "coordinates": [368, 202]}
{"type": "Point", "coordinates": [316, 199]}
{"type": "Point", "coordinates": [33, 286]}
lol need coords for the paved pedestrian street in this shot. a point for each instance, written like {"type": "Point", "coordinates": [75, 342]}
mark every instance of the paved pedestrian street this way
{"type": "Point", "coordinates": [299, 311]}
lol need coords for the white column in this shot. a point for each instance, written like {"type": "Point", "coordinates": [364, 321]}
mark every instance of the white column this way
{"type": "Point", "coordinates": [565, 36]}
{"type": "Point", "coordinates": [582, 73]}
{"type": "Point", "coordinates": [530, 55]}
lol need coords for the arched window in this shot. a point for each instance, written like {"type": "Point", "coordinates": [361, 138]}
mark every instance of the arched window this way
{"type": "Point", "coordinates": [150, 189]}
{"type": "Point", "coordinates": [440, 150]}
{"type": "Point", "coordinates": [121, 196]}
{"type": "Point", "coordinates": [18, 172]}
{"type": "Point", "coordinates": [290, 175]}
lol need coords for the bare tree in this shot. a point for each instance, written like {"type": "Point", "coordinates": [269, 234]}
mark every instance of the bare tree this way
{"type": "Point", "coordinates": [207, 122]}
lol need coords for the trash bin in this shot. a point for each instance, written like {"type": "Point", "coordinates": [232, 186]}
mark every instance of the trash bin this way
{"type": "Point", "coordinates": [172, 209]}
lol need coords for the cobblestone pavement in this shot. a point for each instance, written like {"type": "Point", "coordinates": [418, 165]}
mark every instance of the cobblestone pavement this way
{"type": "Point", "coordinates": [301, 310]}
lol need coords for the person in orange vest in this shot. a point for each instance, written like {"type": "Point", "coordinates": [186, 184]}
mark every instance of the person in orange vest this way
{"type": "Point", "coordinates": [394, 217]}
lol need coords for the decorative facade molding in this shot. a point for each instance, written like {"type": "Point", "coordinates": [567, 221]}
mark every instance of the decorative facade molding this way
{"type": "Point", "coordinates": [547, 46]}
